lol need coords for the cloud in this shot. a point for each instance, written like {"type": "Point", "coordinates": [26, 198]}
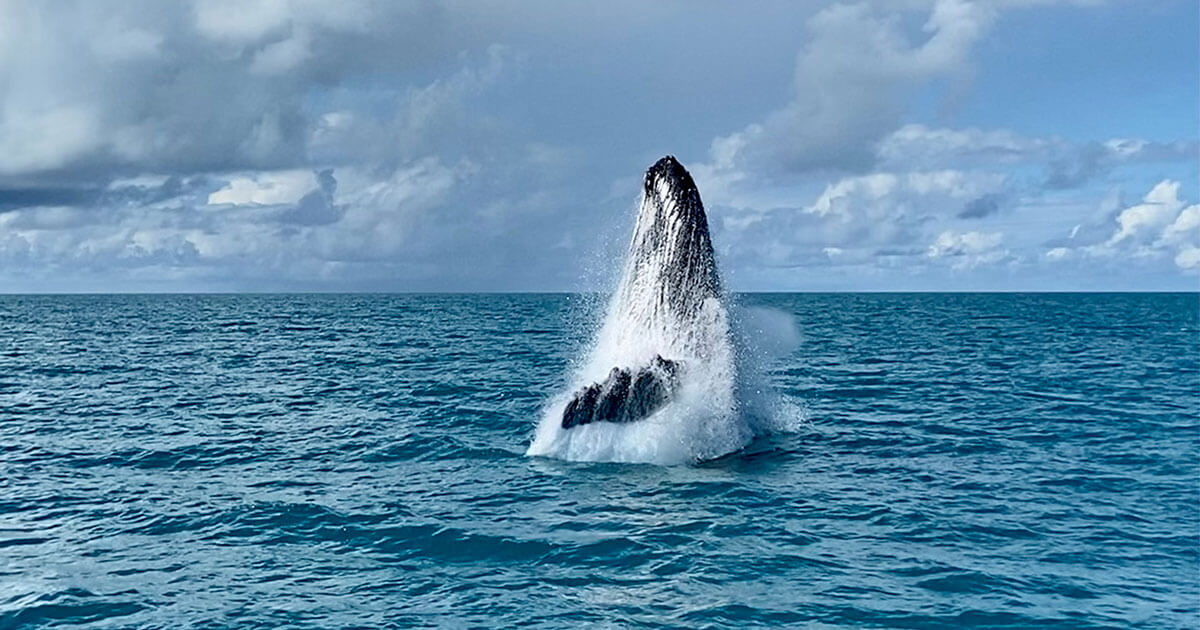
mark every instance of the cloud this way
{"type": "Point", "coordinates": [874, 220]}
{"type": "Point", "coordinates": [316, 207]}
{"type": "Point", "coordinates": [898, 190]}
{"type": "Point", "coordinates": [1159, 207]}
{"type": "Point", "coordinates": [435, 118]}
{"type": "Point", "coordinates": [983, 206]}
{"type": "Point", "coordinates": [132, 87]}
{"type": "Point", "coordinates": [1161, 227]}
{"type": "Point", "coordinates": [1074, 165]}
{"type": "Point", "coordinates": [1185, 226]}
{"type": "Point", "coordinates": [296, 239]}
{"type": "Point", "coordinates": [1188, 258]}
{"type": "Point", "coordinates": [852, 84]}
{"type": "Point", "coordinates": [265, 188]}
{"type": "Point", "coordinates": [45, 196]}
{"type": "Point", "coordinates": [1066, 164]}
{"type": "Point", "coordinates": [966, 250]}
{"type": "Point", "coordinates": [918, 145]}
{"type": "Point", "coordinates": [435, 144]}
{"type": "Point", "coordinates": [284, 193]}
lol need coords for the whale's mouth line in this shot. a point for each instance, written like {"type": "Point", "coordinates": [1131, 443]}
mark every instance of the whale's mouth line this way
{"type": "Point", "coordinates": [669, 278]}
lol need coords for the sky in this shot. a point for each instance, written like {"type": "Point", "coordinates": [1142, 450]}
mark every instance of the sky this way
{"type": "Point", "coordinates": [486, 145]}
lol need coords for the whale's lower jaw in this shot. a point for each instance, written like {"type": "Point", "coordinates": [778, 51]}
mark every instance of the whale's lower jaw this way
{"type": "Point", "coordinates": [627, 395]}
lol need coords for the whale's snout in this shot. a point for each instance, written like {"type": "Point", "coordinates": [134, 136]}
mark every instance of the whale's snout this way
{"type": "Point", "coordinates": [668, 179]}
{"type": "Point", "coordinates": [666, 167]}
{"type": "Point", "coordinates": [671, 253]}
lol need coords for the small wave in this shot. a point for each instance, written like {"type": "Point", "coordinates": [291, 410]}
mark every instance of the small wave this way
{"type": "Point", "coordinates": [69, 606]}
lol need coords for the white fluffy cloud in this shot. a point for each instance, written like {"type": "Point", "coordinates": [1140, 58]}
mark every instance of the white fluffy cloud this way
{"type": "Point", "coordinates": [265, 188]}
{"type": "Point", "coordinates": [878, 220]}
{"type": "Point", "coordinates": [1161, 227]}
{"type": "Point", "coordinates": [1158, 208]}
{"type": "Point", "coordinates": [968, 249]}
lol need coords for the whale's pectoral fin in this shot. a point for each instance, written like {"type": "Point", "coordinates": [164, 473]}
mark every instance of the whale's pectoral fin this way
{"type": "Point", "coordinates": [627, 395]}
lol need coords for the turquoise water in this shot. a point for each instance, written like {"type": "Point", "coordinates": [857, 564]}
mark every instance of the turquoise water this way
{"type": "Point", "coordinates": [356, 461]}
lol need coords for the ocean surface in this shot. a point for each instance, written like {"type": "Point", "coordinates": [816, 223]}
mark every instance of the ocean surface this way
{"type": "Point", "coordinates": [358, 461]}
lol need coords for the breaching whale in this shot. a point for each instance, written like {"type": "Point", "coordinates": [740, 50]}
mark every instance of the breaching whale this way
{"type": "Point", "coordinates": [663, 380]}
{"type": "Point", "coordinates": [668, 303]}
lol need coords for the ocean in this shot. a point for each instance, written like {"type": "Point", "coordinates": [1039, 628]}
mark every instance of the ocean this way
{"type": "Point", "coordinates": [359, 461]}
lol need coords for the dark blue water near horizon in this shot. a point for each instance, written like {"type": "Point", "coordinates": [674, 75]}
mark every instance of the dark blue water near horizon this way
{"type": "Point", "coordinates": [357, 461]}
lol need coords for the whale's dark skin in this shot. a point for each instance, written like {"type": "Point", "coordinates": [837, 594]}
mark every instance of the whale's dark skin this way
{"type": "Point", "coordinates": [671, 257]}
{"type": "Point", "coordinates": [675, 247]}
{"type": "Point", "coordinates": [625, 396]}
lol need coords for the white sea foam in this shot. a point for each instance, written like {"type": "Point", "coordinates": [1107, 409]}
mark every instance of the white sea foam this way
{"type": "Point", "coordinates": [720, 407]}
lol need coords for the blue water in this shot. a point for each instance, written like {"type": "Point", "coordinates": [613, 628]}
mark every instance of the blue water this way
{"type": "Point", "coordinates": [338, 461]}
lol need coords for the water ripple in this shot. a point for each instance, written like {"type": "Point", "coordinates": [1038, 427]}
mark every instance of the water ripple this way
{"type": "Point", "coordinates": [351, 461]}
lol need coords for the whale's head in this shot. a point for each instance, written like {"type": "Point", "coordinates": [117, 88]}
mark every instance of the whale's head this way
{"type": "Point", "coordinates": [671, 254]}
{"type": "Point", "coordinates": [669, 192]}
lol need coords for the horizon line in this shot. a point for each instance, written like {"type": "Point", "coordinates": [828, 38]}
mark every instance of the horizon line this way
{"type": "Point", "coordinates": [582, 292]}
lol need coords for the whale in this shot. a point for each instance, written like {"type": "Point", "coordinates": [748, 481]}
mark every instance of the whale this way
{"type": "Point", "coordinates": [672, 374]}
{"type": "Point", "coordinates": [668, 306]}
